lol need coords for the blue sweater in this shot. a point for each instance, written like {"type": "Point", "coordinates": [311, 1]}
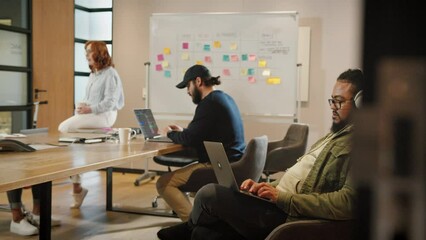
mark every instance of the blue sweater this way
{"type": "Point", "coordinates": [217, 118]}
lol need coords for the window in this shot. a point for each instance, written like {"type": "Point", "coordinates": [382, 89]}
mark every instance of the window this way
{"type": "Point", "coordinates": [93, 21]}
{"type": "Point", "coordinates": [15, 66]}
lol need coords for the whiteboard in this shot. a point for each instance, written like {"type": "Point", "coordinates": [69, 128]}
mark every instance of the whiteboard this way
{"type": "Point", "coordinates": [255, 55]}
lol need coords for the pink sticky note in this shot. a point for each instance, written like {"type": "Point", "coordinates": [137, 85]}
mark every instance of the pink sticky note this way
{"type": "Point", "coordinates": [252, 57]}
{"type": "Point", "coordinates": [207, 59]}
{"type": "Point", "coordinates": [185, 45]}
{"type": "Point", "coordinates": [251, 79]}
{"type": "Point", "coordinates": [159, 67]}
{"type": "Point", "coordinates": [160, 57]}
{"type": "Point", "coordinates": [226, 72]}
{"type": "Point", "coordinates": [234, 58]}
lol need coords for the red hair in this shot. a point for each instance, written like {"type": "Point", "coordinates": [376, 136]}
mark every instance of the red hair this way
{"type": "Point", "coordinates": [100, 55]}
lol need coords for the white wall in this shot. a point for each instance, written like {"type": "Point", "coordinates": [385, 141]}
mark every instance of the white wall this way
{"type": "Point", "coordinates": [335, 47]}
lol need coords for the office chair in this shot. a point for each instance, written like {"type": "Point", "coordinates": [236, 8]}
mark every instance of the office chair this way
{"type": "Point", "coordinates": [283, 154]}
{"type": "Point", "coordinates": [250, 165]}
{"type": "Point", "coordinates": [177, 159]}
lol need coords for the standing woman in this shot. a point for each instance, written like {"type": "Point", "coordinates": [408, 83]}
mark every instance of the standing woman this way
{"type": "Point", "coordinates": [103, 98]}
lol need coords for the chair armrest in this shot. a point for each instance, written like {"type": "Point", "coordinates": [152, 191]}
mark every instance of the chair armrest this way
{"type": "Point", "coordinates": [282, 158]}
{"type": "Point", "coordinates": [313, 230]}
{"type": "Point", "coordinates": [275, 144]}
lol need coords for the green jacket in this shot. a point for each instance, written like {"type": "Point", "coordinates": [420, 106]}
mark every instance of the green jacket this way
{"type": "Point", "coordinates": [326, 192]}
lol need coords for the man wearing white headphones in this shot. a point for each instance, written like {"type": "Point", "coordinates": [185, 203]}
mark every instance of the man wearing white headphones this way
{"type": "Point", "coordinates": [317, 186]}
{"type": "Point", "coordinates": [347, 94]}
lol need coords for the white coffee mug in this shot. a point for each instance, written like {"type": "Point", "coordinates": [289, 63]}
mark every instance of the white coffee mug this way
{"type": "Point", "coordinates": [125, 134]}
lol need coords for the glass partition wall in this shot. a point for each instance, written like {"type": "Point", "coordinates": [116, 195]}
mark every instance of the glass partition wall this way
{"type": "Point", "coordinates": [15, 66]}
{"type": "Point", "coordinates": [93, 21]}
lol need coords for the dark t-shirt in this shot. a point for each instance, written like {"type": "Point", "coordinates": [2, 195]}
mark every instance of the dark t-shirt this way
{"type": "Point", "coordinates": [217, 118]}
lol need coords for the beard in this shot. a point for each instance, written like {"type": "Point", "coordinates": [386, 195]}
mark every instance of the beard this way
{"type": "Point", "coordinates": [335, 127]}
{"type": "Point", "coordinates": [196, 96]}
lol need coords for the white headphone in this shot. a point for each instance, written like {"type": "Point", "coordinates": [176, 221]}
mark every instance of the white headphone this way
{"type": "Point", "coordinates": [358, 99]}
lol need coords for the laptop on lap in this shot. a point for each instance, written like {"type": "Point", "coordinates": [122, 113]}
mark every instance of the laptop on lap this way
{"type": "Point", "coordinates": [149, 126]}
{"type": "Point", "coordinates": [223, 170]}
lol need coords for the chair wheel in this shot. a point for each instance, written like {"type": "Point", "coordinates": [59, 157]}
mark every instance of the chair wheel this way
{"type": "Point", "coordinates": [154, 204]}
{"type": "Point", "coordinates": [136, 183]}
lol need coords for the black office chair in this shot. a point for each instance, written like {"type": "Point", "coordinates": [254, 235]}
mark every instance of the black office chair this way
{"type": "Point", "coordinates": [283, 154]}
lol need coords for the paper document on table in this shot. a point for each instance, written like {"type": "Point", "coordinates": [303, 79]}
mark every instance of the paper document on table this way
{"type": "Point", "coordinates": [14, 135]}
{"type": "Point", "coordinates": [42, 146]}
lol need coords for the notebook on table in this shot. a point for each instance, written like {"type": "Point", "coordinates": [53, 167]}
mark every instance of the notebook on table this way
{"type": "Point", "coordinates": [83, 137]}
{"type": "Point", "coordinates": [149, 126]}
{"type": "Point", "coordinates": [223, 170]}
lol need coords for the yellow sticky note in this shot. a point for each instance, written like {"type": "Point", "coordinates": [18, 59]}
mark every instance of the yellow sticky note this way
{"type": "Point", "coordinates": [243, 72]}
{"type": "Point", "coordinates": [185, 56]}
{"type": "Point", "coordinates": [167, 51]}
{"type": "Point", "coordinates": [217, 44]}
{"type": "Point", "coordinates": [262, 63]}
{"type": "Point", "coordinates": [273, 80]}
{"type": "Point", "coordinates": [199, 62]}
{"type": "Point", "coordinates": [233, 46]}
{"type": "Point", "coordinates": [165, 64]}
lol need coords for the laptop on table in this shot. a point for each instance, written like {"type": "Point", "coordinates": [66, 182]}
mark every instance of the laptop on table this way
{"type": "Point", "coordinates": [149, 126]}
{"type": "Point", "coordinates": [223, 170]}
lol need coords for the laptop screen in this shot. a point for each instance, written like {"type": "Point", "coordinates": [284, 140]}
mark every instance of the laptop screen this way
{"type": "Point", "coordinates": [223, 170]}
{"type": "Point", "coordinates": [220, 164]}
{"type": "Point", "coordinates": [146, 122]}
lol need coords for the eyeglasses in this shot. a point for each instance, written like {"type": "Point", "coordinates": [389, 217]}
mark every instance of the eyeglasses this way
{"type": "Point", "coordinates": [337, 103]}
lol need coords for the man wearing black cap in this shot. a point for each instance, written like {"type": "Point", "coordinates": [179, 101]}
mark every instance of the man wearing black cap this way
{"type": "Point", "coordinates": [217, 118]}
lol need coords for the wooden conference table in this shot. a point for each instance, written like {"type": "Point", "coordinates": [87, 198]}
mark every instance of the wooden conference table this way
{"type": "Point", "coordinates": [21, 169]}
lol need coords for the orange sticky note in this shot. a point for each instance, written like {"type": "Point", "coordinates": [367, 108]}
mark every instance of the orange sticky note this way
{"type": "Point", "coordinates": [217, 44]}
{"type": "Point", "coordinates": [167, 51]}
